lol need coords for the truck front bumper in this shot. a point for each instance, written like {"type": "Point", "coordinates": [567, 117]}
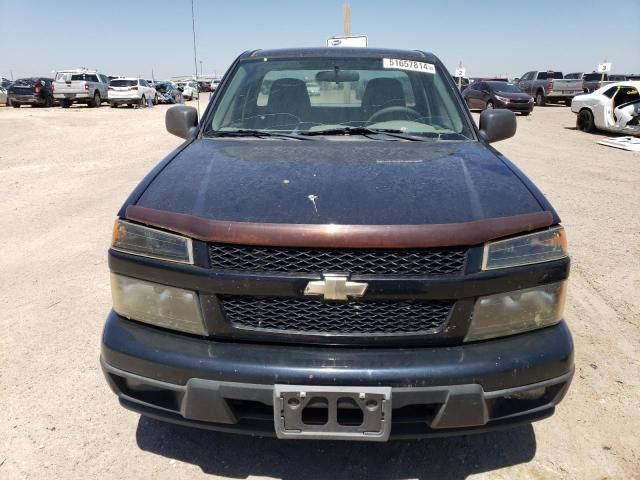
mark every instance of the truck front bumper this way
{"type": "Point", "coordinates": [435, 391]}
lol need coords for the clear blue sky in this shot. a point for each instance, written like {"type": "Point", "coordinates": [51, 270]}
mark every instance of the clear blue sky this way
{"type": "Point", "coordinates": [122, 37]}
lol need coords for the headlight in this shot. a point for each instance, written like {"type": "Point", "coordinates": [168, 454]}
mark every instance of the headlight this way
{"type": "Point", "coordinates": [530, 99]}
{"type": "Point", "coordinates": [533, 248]}
{"type": "Point", "coordinates": [516, 312]}
{"type": "Point", "coordinates": [156, 304]}
{"type": "Point", "coordinates": [502, 99]}
{"type": "Point", "coordinates": [149, 242]}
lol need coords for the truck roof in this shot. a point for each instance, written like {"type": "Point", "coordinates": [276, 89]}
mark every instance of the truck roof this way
{"type": "Point", "coordinates": [341, 52]}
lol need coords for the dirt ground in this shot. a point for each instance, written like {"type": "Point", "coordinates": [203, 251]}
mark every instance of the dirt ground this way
{"type": "Point", "coordinates": [65, 173]}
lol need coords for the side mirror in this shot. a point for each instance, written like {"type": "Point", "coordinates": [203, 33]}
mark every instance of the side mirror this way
{"type": "Point", "coordinates": [516, 80]}
{"type": "Point", "coordinates": [181, 120]}
{"type": "Point", "coordinates": [496, 125]}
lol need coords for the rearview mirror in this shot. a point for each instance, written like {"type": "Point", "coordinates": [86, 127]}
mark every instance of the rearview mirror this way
{"type": "Point", "coordinates": [496, 125]}
{"type": "Point", "coordinates": [337, 76]}
{"type": "Point", "coordinates": [181, 121]}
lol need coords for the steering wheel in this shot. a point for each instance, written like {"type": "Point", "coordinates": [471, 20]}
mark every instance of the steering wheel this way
{"type": "Point", "coordinates": [410, 112]}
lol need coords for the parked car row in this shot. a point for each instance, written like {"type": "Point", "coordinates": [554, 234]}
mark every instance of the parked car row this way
{"type": "Point", "coordinates": [535, 87]}
{"type": "Point", "coordinates": [93, 88]}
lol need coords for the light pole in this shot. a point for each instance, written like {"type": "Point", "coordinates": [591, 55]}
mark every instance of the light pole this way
{"type": "Point", "coordinates": [201, 68]}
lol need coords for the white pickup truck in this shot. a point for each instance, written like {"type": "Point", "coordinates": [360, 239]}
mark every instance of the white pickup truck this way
{"type": "Point", "coordinates": [80, 86]}
{"type": "Point", "coordinates": [549, 87]}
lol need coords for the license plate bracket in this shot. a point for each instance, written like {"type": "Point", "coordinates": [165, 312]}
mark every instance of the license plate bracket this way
{"type": "Point", "coordinates": [332, 413]}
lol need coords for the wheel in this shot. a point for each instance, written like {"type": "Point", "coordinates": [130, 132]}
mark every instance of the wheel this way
{"type": "Point", "coordinates": [66, 103]}
{"type": "Point", "coordinates": [155, 99]}
{"type": "Point", "coordinates": [540, 100]}
{"type": "Point", "coordinates": [489, 105]}
{"type": "Point", "coordinates": [143, 101]}
{"type": "Point", "coordinates": [15, 104]}
{"type": "Point", "coordinates": [113, 105]}
{"type": "Point", "coordinates": [95, 103]}
{"type": "Point", "coordinates": [524, 114]}
{"type": "Point", "coordinates": [585, 122]}
{"type": "Point", "coordinates": [48, 102]}
{"type": "Point", "coordinates": [567, 102]}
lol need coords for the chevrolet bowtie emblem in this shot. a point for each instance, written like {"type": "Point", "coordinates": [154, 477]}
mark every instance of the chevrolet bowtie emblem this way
{"type": "Point", "coordinates": [336, 287]}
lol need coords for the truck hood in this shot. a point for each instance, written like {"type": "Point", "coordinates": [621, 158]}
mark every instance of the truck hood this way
{"type": "Point", "coordinates": [339, 181]}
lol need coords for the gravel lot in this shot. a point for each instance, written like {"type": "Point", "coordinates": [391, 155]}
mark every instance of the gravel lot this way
{"type": "Point", "coordinates": [65, 173]}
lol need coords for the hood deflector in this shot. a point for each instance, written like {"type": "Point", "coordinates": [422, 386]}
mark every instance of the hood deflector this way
{"type": "Point", "coordinates": [340, 236]}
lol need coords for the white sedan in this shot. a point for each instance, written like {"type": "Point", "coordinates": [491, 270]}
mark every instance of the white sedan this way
{"type": "Point", "coordinates": [612, 108]}
{"type": "Point", "coordinates": [131, 91]}
{"type": "Point", "coordinates": [189, 89]}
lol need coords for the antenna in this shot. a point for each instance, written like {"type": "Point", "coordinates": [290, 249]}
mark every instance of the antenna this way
{"type": "Point", "coordinates": [195, 56]}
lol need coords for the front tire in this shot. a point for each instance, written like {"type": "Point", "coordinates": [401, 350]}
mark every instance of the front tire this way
{"type": "Point", "coordinates": [540, 100]}
{"type": "Point", "coordinates": [155, 100]}
{"type": "Point", "coordinates": [524, 114]}
{"type": "Point", "coordinates": [48, 103]}
{"type": "Point", "coordinates": [15, 104]}
{"type": "Point", "coordinates": [143, 101]}
{"type": "Point", "coordinates": [585, 121]}
{"type": "Point", "coordinates": [66, 103]}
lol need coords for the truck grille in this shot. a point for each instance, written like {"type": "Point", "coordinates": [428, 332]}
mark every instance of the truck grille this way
{"type": "Point", "coordinates": [351, 318]}
{"type": "Point", "coordinates": [428, 261]}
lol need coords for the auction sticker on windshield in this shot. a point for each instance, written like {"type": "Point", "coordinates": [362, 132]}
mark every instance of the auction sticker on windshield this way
{"type": "Point", "coordinates": [412, 65]}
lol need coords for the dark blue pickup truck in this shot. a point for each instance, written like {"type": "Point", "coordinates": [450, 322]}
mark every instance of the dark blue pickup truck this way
{"type": "Point", "coordinates": [355, 263]}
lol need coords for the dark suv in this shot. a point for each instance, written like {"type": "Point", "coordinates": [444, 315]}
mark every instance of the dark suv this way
{"type": "Point", "coordinates": [338, 265]}
{"type": "Point", "coordinates": [35, 91]}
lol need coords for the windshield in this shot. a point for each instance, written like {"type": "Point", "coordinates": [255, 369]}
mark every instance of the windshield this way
{"type": "Point", "coordinates": [311, 95]}
{"type": "Point", "coordinates": [504, 87]}
{"type": "Point", "coordinates": [123, 83]}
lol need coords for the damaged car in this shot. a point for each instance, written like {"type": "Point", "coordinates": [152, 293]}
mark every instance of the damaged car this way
{"type": "Point", "coordinates": [612, 108]}
{"type": "Point", "coordinates": [339, 266]}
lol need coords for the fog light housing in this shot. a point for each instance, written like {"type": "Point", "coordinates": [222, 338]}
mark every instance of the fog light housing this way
{"type": "Point", "coordinates": [517, 311]}
{"type": "Point", "coordinates": [156, 304]}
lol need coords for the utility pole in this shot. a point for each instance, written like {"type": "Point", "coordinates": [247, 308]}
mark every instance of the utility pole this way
{"type": "Point", "coordinates": [346, 19]}
{"type": "Point", "coordinates": [346, 31]}
{"type": "Point", "coordinates": [201, 68]}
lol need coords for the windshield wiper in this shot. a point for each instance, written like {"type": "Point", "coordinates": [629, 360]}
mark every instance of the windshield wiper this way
{"type": "Point", "coordinates": [392, 132]}
{"type": "Point", "coordinates": [252, 133]}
